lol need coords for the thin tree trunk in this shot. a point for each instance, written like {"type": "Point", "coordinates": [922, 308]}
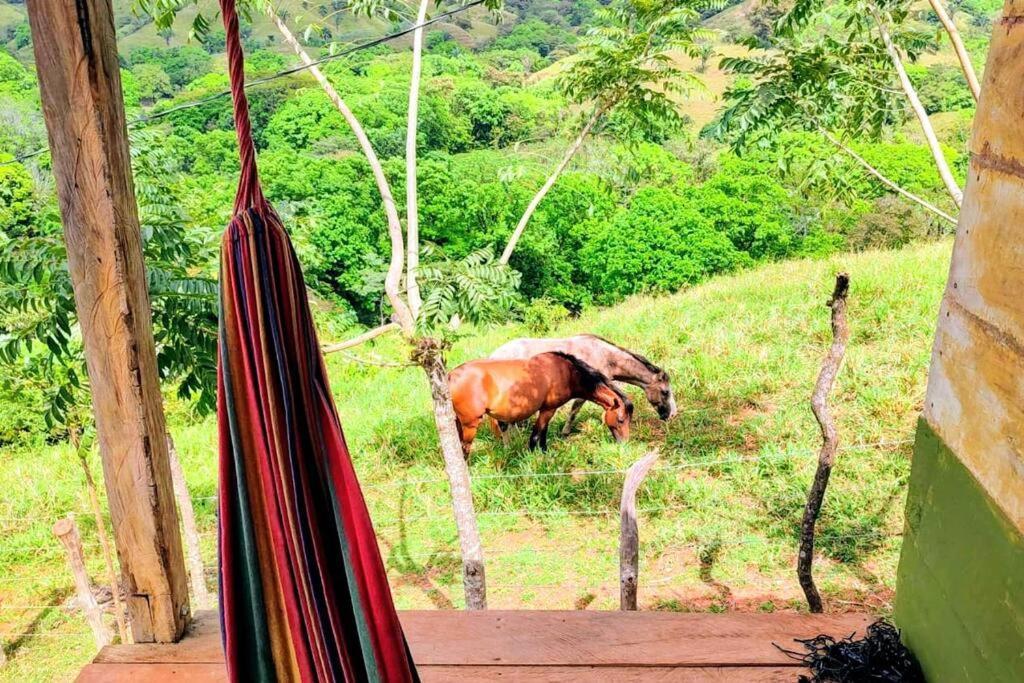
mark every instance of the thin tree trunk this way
{"type": "Point", "coordinates": [958, 45]}
{"type": "Point", "coordinates": [67, 532]}
{"type": "Point", "coordinates": [393, 280]}
{"type": "Point", "coordinates": [629, 532]}
{"type": "Point", "coordinates": [428, 355]}
{"type": "Point", "coordinates": [549, 183]}
{"type": "Point", "coordinates": [829, 437]}
{"type": "Point", "coordinates": [412, 213]}
{"type": "Point", "coordinates": [188, 525]}
{"type": "Point", "coordinates": [101, 533]}
{"type": "Point", "coordinates": [922, 116]}
{"type": "Point", "coordinates": [886, 181]}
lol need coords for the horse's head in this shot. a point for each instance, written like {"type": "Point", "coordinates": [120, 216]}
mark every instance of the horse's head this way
{"type": "Point", "coordinates": [659, 393]}
{"type": "Point", "coordinates": [618, 411]}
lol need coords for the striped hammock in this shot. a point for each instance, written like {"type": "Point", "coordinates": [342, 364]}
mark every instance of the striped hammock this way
{"type": "Point", "coordinates": [303, 592]}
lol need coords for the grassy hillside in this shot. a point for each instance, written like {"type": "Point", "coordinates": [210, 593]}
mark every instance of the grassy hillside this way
{"type": "Point", "coordinates": [718, 522]}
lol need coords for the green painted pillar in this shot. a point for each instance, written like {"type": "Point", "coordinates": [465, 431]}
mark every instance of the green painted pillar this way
{"type": "Point", "coordinates": [960, 588]}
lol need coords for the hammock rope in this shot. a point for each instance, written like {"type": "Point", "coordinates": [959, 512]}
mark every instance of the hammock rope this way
{"type": "Point", "coordinates": [303, 591]}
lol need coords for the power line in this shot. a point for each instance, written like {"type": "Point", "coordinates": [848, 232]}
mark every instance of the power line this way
{"type": "Point", "coordinates": [149, 118]}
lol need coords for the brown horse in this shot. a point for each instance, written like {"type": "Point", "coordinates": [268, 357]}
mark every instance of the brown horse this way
{"type": "Point", "coordinates": [607, 358]}
{"type": "Point", "coordinates": [512, 390]}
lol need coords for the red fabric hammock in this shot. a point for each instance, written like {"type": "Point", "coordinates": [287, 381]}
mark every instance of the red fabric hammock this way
{"type": "Point", "coordinates": [303, 592]}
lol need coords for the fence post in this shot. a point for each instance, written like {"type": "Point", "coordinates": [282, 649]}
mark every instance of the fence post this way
{"type": "Point", "coordinates": [190, 532]}
{"type": "Point", "coordinates": [629, 534]}
{"type": "Point", "coordinates": [829, 440]}
{"type": "Point", "coordinates": [67, 532]}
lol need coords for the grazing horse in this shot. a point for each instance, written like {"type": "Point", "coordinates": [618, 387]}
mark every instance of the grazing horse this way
{"type": "Point", "coordinates": [512, 390]}
{"type": "Point", "coordinates": [607, 358]}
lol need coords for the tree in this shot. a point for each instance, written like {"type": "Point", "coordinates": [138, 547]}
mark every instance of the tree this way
{"type": "Point", "coordinates": [823, 84]}
{"type": "Point", "coordinates": [424, 333]}
{"type": "Point", "coordinates": [623, 65]}
{"type": "Point", "coordinates": [875, 27]}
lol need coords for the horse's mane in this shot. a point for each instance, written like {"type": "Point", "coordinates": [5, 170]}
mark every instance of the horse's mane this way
{"type": "Point", "coordinates": [640, 359]}
{"type": "Point", "coordinates": [592, 378]}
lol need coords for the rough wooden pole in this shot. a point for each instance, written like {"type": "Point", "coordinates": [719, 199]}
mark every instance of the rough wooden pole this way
{"type": "Point", "coordinates": [829, 439]}
{"type": "Point", "coordinates": [80, 86]}
{"type": "Point", "coordinates": [629, 533]}
{"type": "Point", "coordinates": [67, 532]}
{"type": "Point", "coordinates": [190, 531]}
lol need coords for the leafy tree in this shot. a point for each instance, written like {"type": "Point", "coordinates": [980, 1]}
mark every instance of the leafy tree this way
{"type": "Point", "coordinates": [151, 82]}
{"type": "Point", "coordinates": [624, 66]}
{"type": "Point", "coordinates": [659, 244]}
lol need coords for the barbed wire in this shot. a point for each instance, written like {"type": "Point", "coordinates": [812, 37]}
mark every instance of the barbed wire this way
{"type": "Point", "coordinates": [149, 118]}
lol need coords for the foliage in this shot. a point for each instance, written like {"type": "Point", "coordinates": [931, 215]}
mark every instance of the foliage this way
{"type": "Point", "coordinates": [476, 288]}
{"type": "Point", "coordinates": [659, 244]}
{"type": "Point", "coordinates": [41, 344]}
{"type": "Point", "coordinates": [941, 87]}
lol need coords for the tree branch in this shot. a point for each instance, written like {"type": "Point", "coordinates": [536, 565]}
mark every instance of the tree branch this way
{"type": "Point", "coordinates": [361, 339]}
{"type": "Point", "coordinates": [922, 116]}
{"type": "Point", "coordinates": [393, 280]}
{"type": "Point", "coordinates": [543, 191]}
{"type": "Point", "coordinates": [884, 180]}
{"type": "Point", "coordinates": [412, 213]}
{"type": "Point", "coordinates": [958, 46]}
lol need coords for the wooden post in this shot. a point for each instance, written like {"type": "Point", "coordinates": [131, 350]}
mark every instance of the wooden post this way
{"type": "Point", "coordinates": [829, 439]}
{"type": "Point", "coordinates": [629, 533]}
{"type": "Point", "coordinates": [67, 532]}
{"type": "Point", "coordinates": [190, 531]}
{"type": "Point", "coordinates": [80, 85]}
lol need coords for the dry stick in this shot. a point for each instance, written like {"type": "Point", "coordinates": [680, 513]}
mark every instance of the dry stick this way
{"type": "Point", "coordinates": [629, 534]}
{"type": "Point", "coordinates": [958, 45]}
{"type": "Point", "coordinates": [188, 525]}
{"type": "Point", "coordinates": [108, 552]}
{"type": "Point", "coordinates": [67, 531]}
{"type": "Point", "coordinates": [830, 440]}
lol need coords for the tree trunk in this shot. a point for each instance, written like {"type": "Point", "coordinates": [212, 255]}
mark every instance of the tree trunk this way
{"type": "Point", "coordinates": [886, 181]}
{"type": "Point", "coordinates": [958, 45]}
{"type": "Point", "coordinates": [629, 532]}
{"type": "Point", "coordinates": [67, 532]}
{"type": "Point", "coordinates": [922, 116]}
{"type": "Point", "coordinates": [393, 280]}
{"type": "Point", "coordinates": [101, 533]}
{"type": "Point", "coordinates": [188, 524]}
{"type": "Point", "coordinates": [428, 355]}
{"type": "Point", "coordinates": [830, 440]}
{"type": "Point", "coordinates": [412, 213]}
{"type": "Point", "coordinates": [549, 183]}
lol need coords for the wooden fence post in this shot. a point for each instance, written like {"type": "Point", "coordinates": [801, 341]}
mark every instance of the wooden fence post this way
{"type": "Point", "coordinates": [829, 438]}
{"type": "Point", "coordinates": [189, 529]}
{"type": "Point", "coordinates": [67, 532]}
{"type": "Point", "coordinates": [629, 533]}
{"type": "Point", "coordinates": [80, 87]}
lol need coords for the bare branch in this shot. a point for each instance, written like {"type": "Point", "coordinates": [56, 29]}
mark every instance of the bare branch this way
{"type": "Point", "coordinates": [361, 339]}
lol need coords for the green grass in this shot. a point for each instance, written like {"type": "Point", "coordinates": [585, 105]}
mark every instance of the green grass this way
{"type": "Point", "coordinates": [743, 352]}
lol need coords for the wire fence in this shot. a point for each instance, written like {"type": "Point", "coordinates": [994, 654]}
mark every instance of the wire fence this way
{"type": "Point", "coordinates": [398, 559]}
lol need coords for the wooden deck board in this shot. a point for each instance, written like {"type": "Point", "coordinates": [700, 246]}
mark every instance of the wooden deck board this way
{"type": "Point", "coordinates": [535, 646]}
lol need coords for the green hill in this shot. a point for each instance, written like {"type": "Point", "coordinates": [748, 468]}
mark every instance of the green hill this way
{"type": "Point", "coordinates": [718, 523]}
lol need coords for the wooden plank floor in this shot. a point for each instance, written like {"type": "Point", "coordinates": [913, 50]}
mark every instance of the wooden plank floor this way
{"type": "Point", "coordinates": [535, 646]}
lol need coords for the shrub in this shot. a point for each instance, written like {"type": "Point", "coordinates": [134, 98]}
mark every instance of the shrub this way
{"type": "Point", "coordinates": [660, 243]}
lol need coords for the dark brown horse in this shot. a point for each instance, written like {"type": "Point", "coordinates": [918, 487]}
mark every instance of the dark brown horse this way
{"type": "Point", "coordinates": [509, 391]}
